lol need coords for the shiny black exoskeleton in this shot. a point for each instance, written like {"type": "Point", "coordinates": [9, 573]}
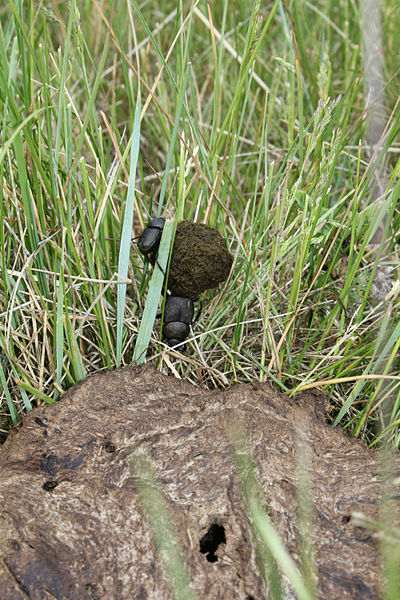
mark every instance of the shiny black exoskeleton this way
{"type": "Point", "coordinates": [178, 316]}
{"type": "Point", "coordinates": [149, 240]}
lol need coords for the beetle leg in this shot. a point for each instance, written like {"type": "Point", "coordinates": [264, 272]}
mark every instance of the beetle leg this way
{"type": "Point", "coordinates": [197, 317]}
{"type": "Point", "coordinates": [160, 267]}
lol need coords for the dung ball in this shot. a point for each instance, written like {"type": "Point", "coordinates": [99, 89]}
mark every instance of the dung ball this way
{"type": "Point", "coordinates": [200, 260]}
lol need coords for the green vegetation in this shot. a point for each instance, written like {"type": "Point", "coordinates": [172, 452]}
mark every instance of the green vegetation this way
{"type": "Point", "coordinates": [248, 118]}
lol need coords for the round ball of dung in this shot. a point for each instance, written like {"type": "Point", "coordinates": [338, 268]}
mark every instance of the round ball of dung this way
{"type": "Point", "coordinates": [200, 260]}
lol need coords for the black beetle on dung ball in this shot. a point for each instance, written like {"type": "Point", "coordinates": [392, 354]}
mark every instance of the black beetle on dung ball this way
{"type": "Point", "coordinates": [150, 238]}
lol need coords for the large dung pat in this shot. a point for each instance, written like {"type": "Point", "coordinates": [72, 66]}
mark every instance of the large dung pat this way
{"type": "Point", "coordinates": [72, 526]}
{"type": "Point", "coordinates": [200, 260]}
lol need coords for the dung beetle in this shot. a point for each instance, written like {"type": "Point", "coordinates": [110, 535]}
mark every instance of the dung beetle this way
{"type": "Point", "coordinates": [178, 316]}
{"type": "Point", "coordinates": [150, 238]}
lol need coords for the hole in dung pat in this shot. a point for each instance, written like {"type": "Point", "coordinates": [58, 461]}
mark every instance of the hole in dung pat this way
{"type": "Point", "coordinates": [346, 519]}
{"type": "Point", "coordinates": [109, 446]}
{"type": "Point", "coordinates": [48, 486]}
{"type": "Point", "coordinates": [211, 540]}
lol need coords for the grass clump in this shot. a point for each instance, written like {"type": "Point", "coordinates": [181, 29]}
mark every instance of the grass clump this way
{"type": "Point", "coordinates": [248, 118]}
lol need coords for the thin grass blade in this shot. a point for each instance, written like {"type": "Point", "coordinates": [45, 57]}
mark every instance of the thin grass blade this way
{"type": "Point", "coordinates": [124, 250]}
{"type": "Point", "coordinates": [153, 296]}
{"type": "Point", "coordinates": [161, 528]}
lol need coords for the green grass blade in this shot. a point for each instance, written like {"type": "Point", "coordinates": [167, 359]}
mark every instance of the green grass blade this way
{"type": "Point", "coordinates": [10, 403]}
{"type": "Point", "coordinates": [35, 392]}
{"type": "Point", "coordinates": [161, 527]}
{"type": "Point", "coordinates": [153, 295]}
{"type": "Point", "coordinates": [270, 547]}
{"type": "Point", "coordinates": [59, 337]}
{"type": "Point", "coordinates": [170, 155]}
{"type": "Point", "coordinates": [126, 235]}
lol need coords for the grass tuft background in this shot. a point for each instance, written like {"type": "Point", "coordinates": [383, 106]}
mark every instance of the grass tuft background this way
{"type": "Point", "coordinates": [253, 118]}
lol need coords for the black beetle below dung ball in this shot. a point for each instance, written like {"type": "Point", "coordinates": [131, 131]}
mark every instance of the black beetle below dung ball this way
{"type": "Point", "coordinates": [178, 316]}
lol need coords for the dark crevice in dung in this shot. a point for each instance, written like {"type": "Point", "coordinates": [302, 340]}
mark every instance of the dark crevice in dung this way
{"type": "Point", "coordinates": [211, 540]}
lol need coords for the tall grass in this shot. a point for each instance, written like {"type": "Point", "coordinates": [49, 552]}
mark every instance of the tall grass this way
{"type": "Point", "coordinates": [251, 119]}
